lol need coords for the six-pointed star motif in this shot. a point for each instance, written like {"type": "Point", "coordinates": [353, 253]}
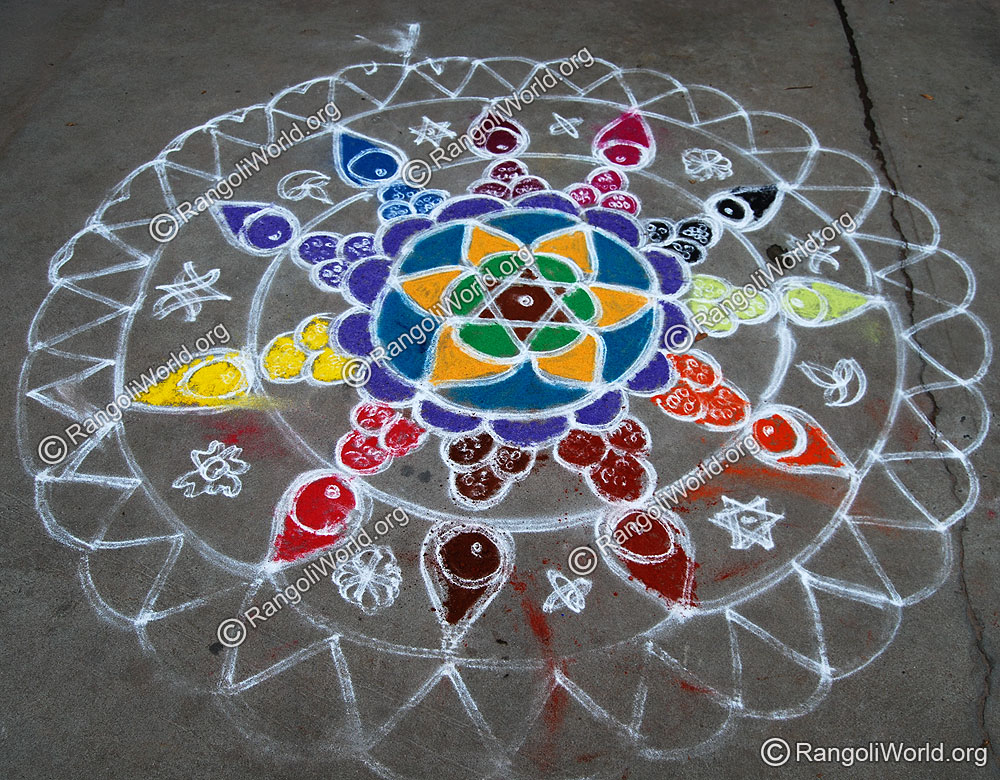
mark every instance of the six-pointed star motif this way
{"type": "Point", "coordinates": [432, 131]}
{"type": "Point", "coordinates": [748, 523]}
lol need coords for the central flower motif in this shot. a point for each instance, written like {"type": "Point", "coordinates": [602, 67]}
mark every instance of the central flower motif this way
{"type": "Point", "coordinates": [527, 311]}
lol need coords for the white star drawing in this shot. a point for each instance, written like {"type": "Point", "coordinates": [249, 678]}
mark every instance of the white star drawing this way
{"type": "Point", "coordinates": [749, 523]}
{"type": "Point", "coordinates": [433, 132]}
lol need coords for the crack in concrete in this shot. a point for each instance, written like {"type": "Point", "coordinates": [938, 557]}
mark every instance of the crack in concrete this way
{"type": "Point", "coordinates": [875, 142]}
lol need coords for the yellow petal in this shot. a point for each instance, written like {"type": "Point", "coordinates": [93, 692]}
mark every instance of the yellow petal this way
{"type": "Point", "coordinates": [579, 362]}
{"type": "Point", "coordinates": [452, 363]}
{"type": "Point", "coordinates": [616, 305]}
{"type": "Point", "coordinates": [222, 379]}
{"type": "Point", "coordinates": [314, 334]}
{"type": "Point", "coordinates": [572, 246]}
{"type": "Point", "coordinates": [483, 244]}
{"type": "Point", "coordinates": [282, 359]}
{"type": "Point", "coordinates": [427, 289]}
{"type": "Point", "coordinates": [328, 366]}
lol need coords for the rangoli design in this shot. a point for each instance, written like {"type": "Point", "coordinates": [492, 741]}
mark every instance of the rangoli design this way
{"type": "Point", "coordinates": [483, 375]}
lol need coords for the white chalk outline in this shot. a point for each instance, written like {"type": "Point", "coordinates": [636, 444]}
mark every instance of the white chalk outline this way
{"type": "Point", "coordinates": [69, 288]}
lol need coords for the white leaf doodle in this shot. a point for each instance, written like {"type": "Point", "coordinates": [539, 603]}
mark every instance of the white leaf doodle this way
{"type": "Point", "coordinates": [370, 579]}
{"type": "Point", "coordinates": [313, 186]}
{"type": "Point", "coordinates": [837, 382]}
{"type": "Point", "coordinates": [218, 470]}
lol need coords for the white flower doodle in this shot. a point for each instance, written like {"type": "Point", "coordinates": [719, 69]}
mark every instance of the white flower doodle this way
{"type": "Point", "coordinates": [370, 580]}
{"type": "Point", "coordinates": [705, 164]}
{"type": "Point", "coordinates": [218, 468]}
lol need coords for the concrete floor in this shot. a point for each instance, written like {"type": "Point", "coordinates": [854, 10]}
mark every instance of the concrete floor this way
{"type": "Point", "coordinates": [91, 90]}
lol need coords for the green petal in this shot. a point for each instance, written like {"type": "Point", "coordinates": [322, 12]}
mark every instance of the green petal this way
{"type": "Point", "coordinates": [756, 307]}
{"type": "Point", "coordinates": [552, 337]}
{"type": "Point", "coordinates": [502, 266]}
{"type": "Point", "coordinates": [490, 338]}
{"type": "Point", "coordinates": [554, 270]}
{"type": "Point", "coordinates": [580, 303]}
{"type": "Point", "coordinates": [805, 303]}
{"type": "Point", "coordinates": [716, 318]}
{"type": "Point", "coordinates": [463, 304]}
{"type": "Point", "coordinates": [842, 301]}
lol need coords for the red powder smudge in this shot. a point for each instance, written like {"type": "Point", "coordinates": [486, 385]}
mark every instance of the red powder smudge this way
{"type": "Point", "coordinates": [555, 708]}
{"type": "Point", "coordinates": [552, 716]}
{"type": "Point", "coordinates": [740, 570]}
{"type": "Point", "coordinates": [878, 410]}
{"type": "Point", "coordinates": [686, 686]}
{"type": "Point", "coordinates": [245, 431]}
{"type": "Point", "coordinates": [824, 490]}
{"type": "Point", "coordinates": [537, 622]}
{"type": "Point", "coordinates": [516, 584]}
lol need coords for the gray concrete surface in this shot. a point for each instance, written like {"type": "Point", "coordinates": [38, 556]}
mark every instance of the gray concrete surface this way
{"type": "Point", "coordinates": [91, 90]}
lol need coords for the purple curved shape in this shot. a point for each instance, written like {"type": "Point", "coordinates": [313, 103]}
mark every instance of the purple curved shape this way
{"type": "Point", "coordinates": [353, 334]}
{"type": "Point", "coordinates": [626, 228]}
{"type": "Point", "coordinates": [367, 278]}
{"type": "Point", "coordinates": [674, 315]}
{"type": "Point", "coordinates": [657, 375]}
{"type": "Point", "coordinates": [668, 269]}
{"type": "Point", "coordinates": [468, 207]}
{"type": "Point", "coordinates": [549, 199]}
{"type": "Point", "coordinates": [678, 331]}
{"type": "Point", "coordinates": [441, 418]}
{"type": "Point", "coordinates": [603, 410]}
{"type": "Point", "coordinates": [394, 238]}
{"type": "Point", "coordinates": [528, 434]}
{"type": "Point", "coordinates": [385, 386]}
